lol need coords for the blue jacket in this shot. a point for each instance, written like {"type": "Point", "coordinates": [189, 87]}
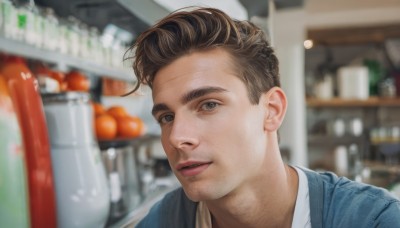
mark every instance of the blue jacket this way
{"type": "Point", "coordinates": [334, 202]}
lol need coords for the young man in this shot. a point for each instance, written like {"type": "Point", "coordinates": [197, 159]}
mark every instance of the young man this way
{"type": "Point", "coordinates": [215, 86]}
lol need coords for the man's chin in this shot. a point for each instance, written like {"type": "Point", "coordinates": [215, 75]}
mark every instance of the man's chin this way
{"type": "Point", "coordinates": [197, 195]}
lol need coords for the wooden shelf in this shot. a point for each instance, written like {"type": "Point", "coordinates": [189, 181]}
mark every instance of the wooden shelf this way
{"type": "Point", "coordinates": [354, 35]}
{"type": "Point", "coordinates": [328, 140]}
{"type": "Point", "coordinates": [338, 102]}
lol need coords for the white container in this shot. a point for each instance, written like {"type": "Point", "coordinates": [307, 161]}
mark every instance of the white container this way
{"type": "Point", "coordinates": [79, 175]}
{"type": "Point", "coordinates": [324, 88]}
{"type": "Point", "coordinates": [355, 127]}
{"type": "Point", "coordinates": [341, 160]}
{"type": "Point", "coordinates": [71, 118]}
{"type": "Point", "coordinates": [337, 127]}
{"type": "Point", "coordinates": [353, 82]}
{"type": "Point", "coordinates": [81, 186]}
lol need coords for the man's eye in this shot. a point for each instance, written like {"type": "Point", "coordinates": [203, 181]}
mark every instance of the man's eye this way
{"type": "Point", "coordinates": [166, 119]}
{"type": "Point", "coordinates": [208, 106]}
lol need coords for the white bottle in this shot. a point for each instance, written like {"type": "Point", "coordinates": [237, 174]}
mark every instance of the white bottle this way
{"type": "Point", "coordinates": [341, 160]}
{"type": "Point", "coordinates": [81, 184]}
{"type": "Point", "coordinates": [51, 36]}
{"type": "Point", "coordinates": [10, 19]}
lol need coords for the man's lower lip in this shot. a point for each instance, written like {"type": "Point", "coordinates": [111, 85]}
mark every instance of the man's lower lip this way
{"type": "Point", "coordinates": [188, 172]}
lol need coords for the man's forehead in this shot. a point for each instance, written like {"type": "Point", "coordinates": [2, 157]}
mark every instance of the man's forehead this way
{"type": "Point", "coordinates": [197, 69]}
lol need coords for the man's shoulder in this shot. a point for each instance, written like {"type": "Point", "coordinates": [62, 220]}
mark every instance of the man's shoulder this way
{"type": "Point", "coordinates": [345, 200]}
{"type": "Point", "coordinates": [332, 184]}
{"type": "Point", "coordinates": [174, 208]}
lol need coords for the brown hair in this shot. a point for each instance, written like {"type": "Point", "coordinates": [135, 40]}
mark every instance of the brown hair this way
{"type": "Point", "coordinates": [202, 29]}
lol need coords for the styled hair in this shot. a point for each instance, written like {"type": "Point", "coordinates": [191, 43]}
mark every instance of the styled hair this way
{"type": "Point", "coordinates": [202, 29]}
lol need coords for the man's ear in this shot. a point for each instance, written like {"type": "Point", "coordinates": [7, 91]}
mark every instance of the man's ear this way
{"type": "Point", "coordinates": [275, 104]}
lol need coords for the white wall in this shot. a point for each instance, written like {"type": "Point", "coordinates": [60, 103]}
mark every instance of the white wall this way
{"type": "Point", "coordinates": [288, 36]}
{"type": "Point", "coordinates": [346, 13]}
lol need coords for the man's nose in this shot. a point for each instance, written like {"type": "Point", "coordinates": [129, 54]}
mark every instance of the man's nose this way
{"type": "Point", "coordinates": [184, 133]}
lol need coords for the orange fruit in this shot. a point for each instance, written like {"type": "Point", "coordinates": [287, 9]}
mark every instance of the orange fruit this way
{"type": "Point", "coordinates": [129, 126]}
{"type": "Point", "coordinates": [106, 127]}
{"type": "Point", "coordinates": [117, 111]}
{"type": "Point", "coordinates": [57, 75]}
{"type": "Point", "coordinates": [77, 81]}
{"type": "Point", "coordinates": [42, 69]}
{"type": "Point", "coordinates": [98, 108]}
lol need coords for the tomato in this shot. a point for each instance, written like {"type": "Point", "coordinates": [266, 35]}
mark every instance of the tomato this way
{"type": "Point", "coordinates": [98, 109]}
{"type": "Point", "coordinates": [106, 127]}
{"type": "Point", "coordinates": [117, 111]}
{"type": "Point", "coordinates": [76, 81]}
{"type": "Point", "coordinates": [129, 126]}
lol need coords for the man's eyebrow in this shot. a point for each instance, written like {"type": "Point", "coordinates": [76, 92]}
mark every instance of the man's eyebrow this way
{"type": "Point", "coordinates": [158, 108]}
{"type": "Point", "coordinates": [194, 94]}
{"type": "Point", "coordinates": [186, 98]}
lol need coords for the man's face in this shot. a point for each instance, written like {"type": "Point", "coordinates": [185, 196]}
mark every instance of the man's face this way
{"type": "Point", "coordinates": [212, 135]}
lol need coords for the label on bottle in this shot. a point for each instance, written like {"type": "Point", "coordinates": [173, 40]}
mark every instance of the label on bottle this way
{"type": "Point", "coordinates": [22, 19]}
{"type": "Point", "coordinates": [115, 187]}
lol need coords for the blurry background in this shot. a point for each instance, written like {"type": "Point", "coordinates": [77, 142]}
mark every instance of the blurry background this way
{"type": "Point", "coordinates": [339, 65]}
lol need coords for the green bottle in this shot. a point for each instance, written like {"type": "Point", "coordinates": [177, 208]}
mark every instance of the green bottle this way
{"type": "Point", "coordinates": [14, 207]}
{"type": "Point", "coordinates": [375, 75]}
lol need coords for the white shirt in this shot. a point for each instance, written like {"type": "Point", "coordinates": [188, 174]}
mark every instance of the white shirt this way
{"type": "Point", "coordinates": [301, 216]}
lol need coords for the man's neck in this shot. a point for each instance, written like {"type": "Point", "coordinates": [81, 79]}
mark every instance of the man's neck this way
{"type": "Point", "coordinates": [268, 202]}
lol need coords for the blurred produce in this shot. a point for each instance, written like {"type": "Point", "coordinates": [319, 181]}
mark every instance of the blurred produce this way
{"type": "Point", "coordinates": [114, 87]}
{"type": "Point", "coordinates": [50, 81]}
{"type": "Point", "coordinates": [106, 127]}
{"type": "Point", "coordinates": [98, 109]}
{"type": "Point", "coordinates": [76, 81]}
{"type": "Point", "coordinates": [60, 77]}
{"type": "Point", "coordinates": [129, 126]}
{"type": "Point", "coordinates": [117, 111]}
{"type": "Point", "coordinates": [116, 122]}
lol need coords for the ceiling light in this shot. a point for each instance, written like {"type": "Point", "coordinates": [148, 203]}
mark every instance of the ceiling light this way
{"type": "Point", "coordinates": [308, 44]}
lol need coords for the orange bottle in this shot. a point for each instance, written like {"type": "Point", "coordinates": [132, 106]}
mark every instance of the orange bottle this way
{"type": "Point", "coordinates": [24, 90]}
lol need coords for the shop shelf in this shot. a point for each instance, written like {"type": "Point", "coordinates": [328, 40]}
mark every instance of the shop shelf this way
{"type": "Point", "coordinates": [338, 102]}
{"type": "Point", "coordinates": [329, 140]}
{"type": "Point", "coordinates": [122, 142]}
{"type": "Point", "coordinates": [23, 49]}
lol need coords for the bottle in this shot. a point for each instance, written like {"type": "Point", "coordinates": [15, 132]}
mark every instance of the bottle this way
{"type": "Point", "coordinates": [10, 19]}
{"type": "Point", "coordinates": [14, 204]}
{"type": "Point", "coordinates": [341, 160]}
{"type": "Point", "coordinates": [375, 73]}
{"type": "Point", "coordinates": [355, 163]}
{"type": "Point", "coordinates": [51, 38]}
{"type": "Point", "coordinates": [26, 99]}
